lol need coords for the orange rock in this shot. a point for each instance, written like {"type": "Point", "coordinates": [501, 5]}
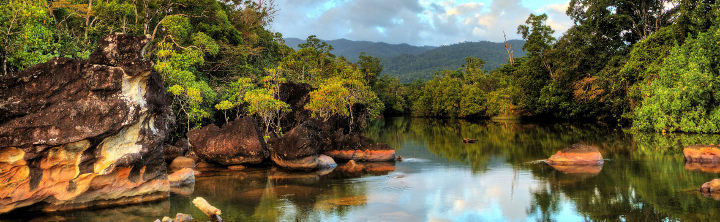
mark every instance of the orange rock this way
{"type": "Point", "coordinates": [304, 164]}
{"type": "Point", "coordinates": [711, 187]}
{"type": "Point", "coordinates": [363, 155]}
{"type": "Point", "coordinates": [182, 177]}
{"type": "Point", "coordinates": [702, 153]}
{"type": "Point", "coordinates": [577, 154]}
{"type": "Point", "coordinates": [352, 167]}
{"type": "Point", "coordinates": [181, 162]}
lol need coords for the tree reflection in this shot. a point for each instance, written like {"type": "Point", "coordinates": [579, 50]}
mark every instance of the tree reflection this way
{"type": "Point", "coordinates": [644, 177]}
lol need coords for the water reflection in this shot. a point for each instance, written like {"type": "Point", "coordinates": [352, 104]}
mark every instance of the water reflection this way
{"type": "Point", "coordinates": [443, 179]}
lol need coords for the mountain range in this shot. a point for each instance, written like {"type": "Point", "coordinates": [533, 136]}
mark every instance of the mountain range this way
{"type": "Point", "coordinates": [410, 63]}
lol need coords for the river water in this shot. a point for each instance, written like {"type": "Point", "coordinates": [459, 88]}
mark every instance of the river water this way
{"type": "Point", "coordinates": [499, 178]}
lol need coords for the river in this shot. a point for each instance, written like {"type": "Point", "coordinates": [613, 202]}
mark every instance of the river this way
{"type": "Point", "coordinates": [499, 178]}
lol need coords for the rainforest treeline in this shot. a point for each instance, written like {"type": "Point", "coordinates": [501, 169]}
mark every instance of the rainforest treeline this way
{"type": "Point", "coordinates": [652, 65]}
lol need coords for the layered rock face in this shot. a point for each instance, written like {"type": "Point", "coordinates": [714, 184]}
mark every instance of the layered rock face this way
{"type": "Point", "coordinates": [76, 134]}
{"type": "Point", "coordinates": [577, 154]}
{"type": "Point", "coordinates": [238, 142]}
{"type": "Point", "coordinates": [702, 154]}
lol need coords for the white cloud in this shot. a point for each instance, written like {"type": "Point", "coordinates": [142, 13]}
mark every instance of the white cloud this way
{"type": "Point", "coordinates": [418, 22]}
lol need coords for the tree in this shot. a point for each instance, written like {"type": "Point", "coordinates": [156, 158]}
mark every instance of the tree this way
{"type": "Point", "coordinates": [25, 35]}
{"type": "Point", "coordinates": [539, 39]}
{"type": "Point", "coordinates": [371, 67]}
{"type": "Point", "coordinates": [262, 103]}
{"type": "Point", "coordinates": [233, 96]}
{"type": "Point", "coordinates": [685, 95]}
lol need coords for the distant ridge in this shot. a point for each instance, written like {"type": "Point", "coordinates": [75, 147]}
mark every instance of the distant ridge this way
{"type": "Point", "coordinates": [410, 63]}
{"type": "Point", "coordinates": [351, 49]}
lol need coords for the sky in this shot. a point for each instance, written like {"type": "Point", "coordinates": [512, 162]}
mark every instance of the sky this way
{"type": "Point", "coordinates": [416, 22]}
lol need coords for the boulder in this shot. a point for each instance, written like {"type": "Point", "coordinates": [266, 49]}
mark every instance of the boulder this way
{"type": "Point", "coordinates": [702, 154]}
{"type": "Point", "coordinates": [577, 154]}
{"type": "Point", "coordinates": [326, 162]}
{"type": "Point", "coordinates": [372, 153]}
{"type": "Point", "coordinates": [182, 177]}
{"type": "Point", "coordinates": [181, 162]}
{"type": "Point", "coordinates": [77, 134]}
{"type": "Point", "coordinates": [354, 146]}
{"type": "Point", "coordinates": [238, 142]}
{"type": "Point", "coordinates": [299, 148]}
{"type": "Point", "coordinates": [710, 187]}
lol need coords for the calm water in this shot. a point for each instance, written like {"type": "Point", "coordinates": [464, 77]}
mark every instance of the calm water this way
{"type": "Point", "coordinates": [441, 179]}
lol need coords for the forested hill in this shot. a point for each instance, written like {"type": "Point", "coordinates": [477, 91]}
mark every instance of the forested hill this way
{"type": "Point", "coordinates": [409, 63]}
{"type": "Point", "coordinates": [408, 68]}
{"type": "Point", "coordinates": [351, 49]}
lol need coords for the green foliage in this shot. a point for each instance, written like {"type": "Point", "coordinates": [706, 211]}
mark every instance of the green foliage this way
{"type": "Point", "coordinates": [261, 102]}
{"type": "Point", "coordinates": [685, 95]}
{"type": "Point", "coordinates": [26, 35]}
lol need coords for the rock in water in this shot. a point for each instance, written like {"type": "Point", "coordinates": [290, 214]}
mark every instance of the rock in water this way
{"type": "Point", "coordinates": [238, 142]}
{"type": "Point", "coordinates": [326, 162]}
{"type": "Point", "coordinates": [702, 154]}
{"type": "Point", "coordinates": [711, 189]}
{"type": "Point", "coordinates": [76, 134]}
{"type": "Point", "coordinates": [577, 154]}
{"type": "Point", "coordinates": [182, 177]}
{"type": "Point", "coordinates": [299, 148]}
{"type": "Point", "coordinates": [181, 162]}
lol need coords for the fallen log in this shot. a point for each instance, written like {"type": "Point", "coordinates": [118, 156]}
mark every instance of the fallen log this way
{"type": "Point", "coordinates": [209, 210]}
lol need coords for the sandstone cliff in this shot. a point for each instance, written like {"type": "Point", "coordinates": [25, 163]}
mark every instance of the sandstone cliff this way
{"type": "Point", "coordinates": [75, 134]}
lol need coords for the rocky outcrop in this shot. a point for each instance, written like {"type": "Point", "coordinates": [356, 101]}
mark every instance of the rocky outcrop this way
{"type": "Point", "coordinates": [702, 154]}
{"type": "Point", "coordinates": [238, 142]}
{"type": "Point", "coordinates": [76, 134]}
{"type": "Point", "coordinates": [577, 154]}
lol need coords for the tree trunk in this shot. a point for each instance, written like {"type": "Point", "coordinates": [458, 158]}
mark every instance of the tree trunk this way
{"type": "Point", "coordinates": [4, 64]}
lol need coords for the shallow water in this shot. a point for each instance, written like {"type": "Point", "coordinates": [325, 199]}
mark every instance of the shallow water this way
{"type": "Point", "coordinates": [499, 178]}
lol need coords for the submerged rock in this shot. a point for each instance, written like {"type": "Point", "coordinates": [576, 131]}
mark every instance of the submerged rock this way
{"type": "Point", "coordinates": [77, 134]}
{"type": "Point", "coordinates": [702, 154]}
{"type": "Point", "coordinates": [238, 142]}
{"type": "Point", "coordinates": [182, 177]}
{"type": "Point", "coordinates": [711, 189]}
{"type": "Point", "coordinates": [179, 217]}
{"type": "Point", "coordinates": [577, 154]}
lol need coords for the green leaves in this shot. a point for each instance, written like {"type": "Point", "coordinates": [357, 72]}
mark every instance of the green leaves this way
{"type": "Point", "coordinates": [685, 96]}
{"type": "Point", "coordinates": [177, 26]}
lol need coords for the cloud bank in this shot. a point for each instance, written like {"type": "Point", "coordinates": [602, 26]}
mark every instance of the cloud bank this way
{"type": "Point", "coordinates": [416, 22]}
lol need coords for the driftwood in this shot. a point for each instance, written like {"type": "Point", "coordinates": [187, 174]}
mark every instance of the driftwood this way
{"type": "Point", "coordinates": [209, 210]}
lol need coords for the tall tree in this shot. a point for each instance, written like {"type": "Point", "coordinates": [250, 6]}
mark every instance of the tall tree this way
{"type": "Point", "coordinates": [539, 39]}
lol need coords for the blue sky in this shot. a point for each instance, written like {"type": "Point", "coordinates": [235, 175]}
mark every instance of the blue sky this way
{"type": "Point", "coordinates": [416, 22]}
